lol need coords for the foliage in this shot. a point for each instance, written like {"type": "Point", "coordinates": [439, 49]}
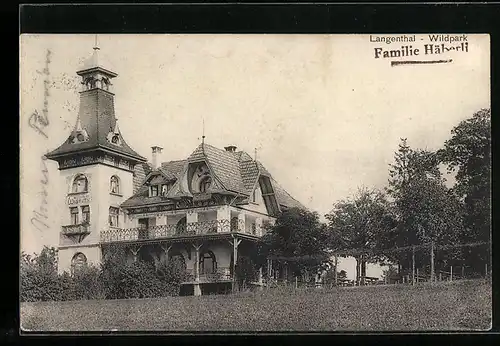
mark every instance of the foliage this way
{"type": "Point", "coordinates": [468, 153]}
{"type": "Point", "coordinates": [299, 235]}
{"type": "Point", "coordinates": [39, 280]}
{"type": "Point", "coordinates": [114, 279]}
{"type": "Point", "coordinates": [245, 271]}
{"type": "Point", "coordinates": [426, 210]}
{"type": "Point", "coordinates": [362, 223]}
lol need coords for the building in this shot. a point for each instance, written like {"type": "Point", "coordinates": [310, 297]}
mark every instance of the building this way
{"type": "Point", "coordinates": [205, 210]}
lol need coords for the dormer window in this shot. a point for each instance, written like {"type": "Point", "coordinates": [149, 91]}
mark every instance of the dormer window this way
{"type": "Point", "coordinates": [205, 184]}
{"type": "Point", "coordinates": [114, 185]}
{"type": "Point", "coordinates": [153, 191]}
{"type": "Point", "coordinates": [80, 184]}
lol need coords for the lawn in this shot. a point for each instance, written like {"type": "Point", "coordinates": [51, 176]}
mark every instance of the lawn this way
{"type": "Point", "coordinates": [460, 305]}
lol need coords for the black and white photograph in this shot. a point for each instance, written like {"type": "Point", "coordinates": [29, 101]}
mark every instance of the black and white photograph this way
{"type": "Point", "coordinates": [255, 182]}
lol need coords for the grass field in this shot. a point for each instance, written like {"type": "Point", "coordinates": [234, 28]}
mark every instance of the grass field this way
{"type": "Point", "coordinates": [461, 305]}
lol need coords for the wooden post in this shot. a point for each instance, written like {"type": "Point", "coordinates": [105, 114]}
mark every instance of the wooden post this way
{"type": "Point", "coordinates": [296, 283]}
{"type": "Point", "coordinates": [486, 270]}
{"type": "Point", "coordinates": [335, 274]}
{"type": "Point", "coordinates": [451, 273]}
{"type": "Point", "coordinates": [440, 276]}
{"type": "Point", "coordinates": [432, 261]}
{"type": "Point", "coordinates": [463, 273]}
{"type": "Point", "coordinates": [417, 276]}
{"type": "Point", "coordinates": [196, 262]}
{"type": "Point", "coordinates": [413, 266]}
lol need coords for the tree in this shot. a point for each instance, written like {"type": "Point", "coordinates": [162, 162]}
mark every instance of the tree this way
{"type": "Point", "coordinates": [39, 278]}
{"type": "Point", "coordinates": [360, 223]}
{"type": "Point", "coordinates": [468, 153]}
{"type": "Point", "coordinates": [426, 210]}
{"type": "Point", "coordinates": [297, 235]}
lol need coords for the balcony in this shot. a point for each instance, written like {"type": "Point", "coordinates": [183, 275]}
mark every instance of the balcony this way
{"type": "Point", "coordinates": [79, 229]}
{"type": "Point", "coordinates": [172, 231]}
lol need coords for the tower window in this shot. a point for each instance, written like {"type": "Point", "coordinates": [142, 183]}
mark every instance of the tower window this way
{"type": "Point", "coordinates": [114, 184]}
{"type": "Point", "coordinates": [80, 184]}
{"type": "Point", "coordinates": [85, 214]}
{"type": "Point", "coordinates": [113, 216]}
{"type": "Point", "coordinates": [74, 215]}
{"type": "Point", "coordinates": [205, 184]}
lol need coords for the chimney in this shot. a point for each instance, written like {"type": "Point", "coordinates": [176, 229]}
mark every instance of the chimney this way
{"type": "Point", "coordinates": [156, 153]}
{"type": "Point", "coordinates": [230, 148]}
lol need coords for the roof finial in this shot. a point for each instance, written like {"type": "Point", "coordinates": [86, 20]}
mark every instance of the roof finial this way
{"type": "Point", "coordinates": [255, 154]}
{"type": "Point", "coordinates": [96, 45]}
{"type": "Point", "coordinates": [203, 132]}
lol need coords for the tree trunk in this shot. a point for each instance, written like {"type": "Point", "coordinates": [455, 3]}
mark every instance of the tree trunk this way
{"type": "Point", "coordinates": [358, 270]}
{"type": "Point", "coordinates": [363, 271]}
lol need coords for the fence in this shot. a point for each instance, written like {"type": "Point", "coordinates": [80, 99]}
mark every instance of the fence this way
{"type": "Point", "coordinates": [428, 262]}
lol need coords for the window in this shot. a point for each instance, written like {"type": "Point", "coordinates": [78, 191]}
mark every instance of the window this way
{"type": "Point", "coordinates": [74, 215]}
{"type": "Point", "coordinates": [153, 191]}
{"type": "Point", "coordinates": [114, 184]}
{"type": "Point", "coordinates": [254, 228]}
{"type": "Point", "coordinates": [164, 189]}
{"type": "Point", "coordinates": [78, 261]}
{"type": "Point", "coordinates": [80, 184]}
{"type": "Point", "coordinates": [113, 216]}
{"type": "Point", "coordinates": [205, 184]}
{"type": "Point", "coordinates": [85, 214]}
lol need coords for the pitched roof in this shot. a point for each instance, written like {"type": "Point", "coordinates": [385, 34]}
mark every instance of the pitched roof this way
{"type": "Point", "coordinates": [236, 171]}
{"type": "Point", "coordinates": [97, 118]}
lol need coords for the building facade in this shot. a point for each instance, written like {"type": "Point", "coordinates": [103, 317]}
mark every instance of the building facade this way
{"type": "Point", "coordinates": [205, 210]}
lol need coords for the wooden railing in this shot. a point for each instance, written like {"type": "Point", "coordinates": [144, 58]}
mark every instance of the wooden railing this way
{"type": "Point", "coordinates": [168, 231]}
{"type": "Point", "coordinates": [220, 274]}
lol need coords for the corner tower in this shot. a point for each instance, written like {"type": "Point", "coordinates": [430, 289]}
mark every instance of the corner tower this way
{"type": "Point", "coordinates": [96, 167]}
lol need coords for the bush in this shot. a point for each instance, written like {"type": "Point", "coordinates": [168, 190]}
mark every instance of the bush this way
{"type": "Point", "coordinates": [114, 279]}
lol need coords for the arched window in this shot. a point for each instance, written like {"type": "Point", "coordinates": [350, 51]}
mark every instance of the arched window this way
{"type": "Point", "coordinates": [78, 261]}
{"type": "Point", "coordinates": [80, 184]}
{"type": "Point", "coordinates": [208, 263]}
{"type": "Point", "coordinates": [114, 184]}
{"type": "Point", "coordinates": [205, 184]}
{"type": "Point", "coordinates": [177, 260]}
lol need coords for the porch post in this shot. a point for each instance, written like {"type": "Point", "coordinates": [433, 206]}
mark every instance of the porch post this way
{"type": "Point", "coordinates": [197, 289]}
{"type": "Point", "coordinates": [241, 223]}
{"type": "Point", "coordinates": [259, 278]}
{"type": "Point", "coordinates": [135, 253]}
{"type": "Point", "coordinates": [235, 244]}
{"type": "Point", "coordinates": [223, 219]}
{"type": "Point", "coordinates": [258, 226]}
{"type": "Point", "coordinates": [191, 221]}
{"type": "Point", "coordinates": [166, 249]}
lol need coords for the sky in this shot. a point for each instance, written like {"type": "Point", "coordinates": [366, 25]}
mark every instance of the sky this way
{"type": "Point", "coordinates": [323, 113]}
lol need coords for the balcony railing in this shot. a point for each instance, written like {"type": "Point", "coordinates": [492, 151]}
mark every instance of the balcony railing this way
{"type": "Point", "coordinates": [79, 229]}
{"type": "Point", "coordinates": [180, 230]}
{"type": "Point", "coordinates": [220, 274]}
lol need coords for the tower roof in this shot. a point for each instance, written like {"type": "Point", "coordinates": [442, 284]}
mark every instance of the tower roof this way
{"type": "Point", "coordinates": [96, 127]}
{"type": "Point", "coordinates": [96, 62]}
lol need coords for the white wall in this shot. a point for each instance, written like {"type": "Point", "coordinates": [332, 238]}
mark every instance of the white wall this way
{"type": "Point", "coordinates": [100, 200]}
